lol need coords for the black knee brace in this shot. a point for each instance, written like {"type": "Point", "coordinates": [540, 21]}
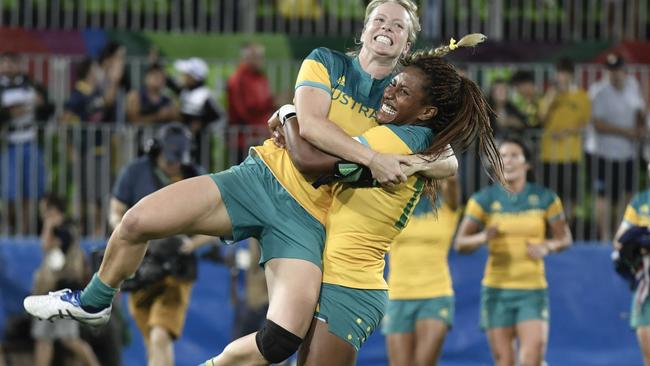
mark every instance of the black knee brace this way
{"type": "Point", "coordinates": [275, 343]}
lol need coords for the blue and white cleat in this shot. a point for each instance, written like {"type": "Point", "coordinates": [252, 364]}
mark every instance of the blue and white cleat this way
{"type": "Point", "coordinates": [64, 304]}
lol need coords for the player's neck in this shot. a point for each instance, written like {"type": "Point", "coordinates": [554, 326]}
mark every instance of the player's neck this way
{"type": "Point", "coordinates": [377, 67]}
{"type": "Point", "coordinates": [517, 186]}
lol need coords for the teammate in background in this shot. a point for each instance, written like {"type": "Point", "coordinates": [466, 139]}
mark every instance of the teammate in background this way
{"type": "Point", "coordinates": [637, 215]}
{"type": "Point", "coordinates": [514, 296]}
{"type": "Point", "coordinates": [420, 309]}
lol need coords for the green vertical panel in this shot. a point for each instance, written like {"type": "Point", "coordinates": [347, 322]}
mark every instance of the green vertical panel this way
{"type": "Point", "coordinates": [217, 45]}
{"type": "Point", "coordinates": [136, 43]}
{"type": "Point", "coordinates": [111, 6]}
{"type": "Point", "coordinates": [38, 4]}
{"type": "Point", "coordinates": [9, 4]}
{"type": "Point", "coordinates": [69, 5]}
{"type": "Point", "coordinates": [264, 8]}
{"type": "Point", "coordinates": [93, 6]}
{"type": "Point", "coordinates": [162, 6]}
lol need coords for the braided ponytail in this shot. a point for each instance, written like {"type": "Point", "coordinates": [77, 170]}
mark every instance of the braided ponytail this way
{"type": "Point", "coordinates": [463, 113]}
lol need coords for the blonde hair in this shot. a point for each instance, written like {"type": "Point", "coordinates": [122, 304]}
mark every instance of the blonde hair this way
{"type": "Point", "coordinates": [410, 7]}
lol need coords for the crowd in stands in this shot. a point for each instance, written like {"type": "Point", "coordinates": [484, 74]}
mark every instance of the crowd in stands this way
{"type": "Point", "coordinates": [585, 140]}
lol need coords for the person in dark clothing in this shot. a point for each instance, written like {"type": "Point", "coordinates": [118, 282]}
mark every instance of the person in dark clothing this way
{"type": "Point", "coordinates": [159, 306]}
{"type": "Point", "coordinates": [149, 104]}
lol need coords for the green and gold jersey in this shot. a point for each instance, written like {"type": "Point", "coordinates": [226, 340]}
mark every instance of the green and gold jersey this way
{"type": "Point", "coordinates": [355, 98]}
{"type": "Point", "coordinates": [418, 256]}
{"type": "Point", "coordinates": [521, 218]}
{"type": "Point", "coordinates": [363, 222]}
{"type": "Point", "coordinates": [638, 211]}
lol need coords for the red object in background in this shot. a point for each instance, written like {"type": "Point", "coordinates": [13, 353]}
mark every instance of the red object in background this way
{"type": "Point", "coordinates": [250, 102]}
{"type": "Point", "coordinates": [20, 41]}
{"type": "Point", "coordinates": [633, 52]}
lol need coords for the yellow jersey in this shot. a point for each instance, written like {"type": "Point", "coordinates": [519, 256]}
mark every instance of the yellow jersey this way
{"type": "Point", "coordinates": [570, 110]}
{"type": "Point", "coordinates": [355, 98]}
{"type": "Point", "coordinates": [638, 211]}
{"type": "Point", "coordinates": [418, 257]}
{"type": "Point", "coordinates": [520, 218]}
{"type": "Point", "coordinates": [362, 222]}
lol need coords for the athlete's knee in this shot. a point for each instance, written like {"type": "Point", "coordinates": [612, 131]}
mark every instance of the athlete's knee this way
{"type": "Point", "coordinates": [275, 343]}
{"type": "Point", "coordinates": [131, 227]}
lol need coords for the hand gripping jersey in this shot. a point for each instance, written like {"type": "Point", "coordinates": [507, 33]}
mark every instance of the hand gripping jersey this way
{"type": "Point", "coordinates": [362, 222]}
{"type": "Point", "coordinates": [355, 97]}
{"type": "Point", "coordinates": [520, 218]}
{"type": "Point", "coordinates": [418, 256]}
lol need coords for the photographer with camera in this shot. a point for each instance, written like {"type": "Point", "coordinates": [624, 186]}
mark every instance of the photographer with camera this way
{"type": "Point", "coordinates": [63, 266]}
{"type": "Point", "coordinates": [161, 288]}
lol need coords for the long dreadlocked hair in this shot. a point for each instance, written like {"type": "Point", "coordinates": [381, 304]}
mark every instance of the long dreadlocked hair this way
{"type": "Point", "coordinates": [463, 113]}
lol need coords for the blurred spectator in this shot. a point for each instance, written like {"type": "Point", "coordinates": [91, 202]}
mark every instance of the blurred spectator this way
{"type": "Point", "coordinates": [150, 105]}
{"type": "Point", "coordinates": [63, 266]}
{"type": "Point", "coordinates": [87, 105]}
{"type": "Point", "coordinates": [507, 119]}
{"type": "Point", "coordinates": [250, 102]}
{"type": "Point", "coordinates": [22, 105]}
{"type": "Point", "coordinates": [112, 80]}
{"type": "Point", "coordinates": [618, 125]}
{"type": "Point", "coordinates": [525, 97]}
{"type": "Point", "coordinates": [197, 105]}
{"type": "Point", "coordinates": [564, 112]}
{"type": "Point", "coordinates": [163, 284]}
{"type": "Point", "coordinates": [86, 102]}
{"type": "Point", "coordinates": [250, 310]}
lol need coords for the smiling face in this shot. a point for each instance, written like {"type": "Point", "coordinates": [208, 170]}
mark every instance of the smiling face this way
{"type": "Point", "coordinates": [515, 165]}
{"type": "Point", "coordinates": [386, 31]}
{"type": "Point", "coordinates": [404, 99]}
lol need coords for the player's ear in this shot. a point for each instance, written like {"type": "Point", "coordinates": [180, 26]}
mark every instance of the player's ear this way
{"type": "Point", "coordinates": [428, 113]}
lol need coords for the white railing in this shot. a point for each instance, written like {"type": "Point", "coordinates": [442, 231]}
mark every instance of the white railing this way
{"type": "Point", "coordinates": [81, 163]}
{"type": "Point", "coordinates": [516, 20]}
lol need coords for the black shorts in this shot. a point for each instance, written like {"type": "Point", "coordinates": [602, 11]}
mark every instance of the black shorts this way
{"type": "Point", "coordinates": [562, 178]}
{"type": "Point", "coordinates": [610, 178]}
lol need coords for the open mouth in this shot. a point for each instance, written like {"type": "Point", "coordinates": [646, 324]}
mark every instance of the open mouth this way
{"type": "Point", "coordinates": [384, 40]}
{"type": "Point", "coordinates": [388, 109]}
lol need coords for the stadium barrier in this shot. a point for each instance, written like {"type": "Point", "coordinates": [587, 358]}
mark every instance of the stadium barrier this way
{"type": "Point", "coordinates": [512, 20]}
{"type": "Point", "coordinates": [81, 162]}
{"type": "Point", "coordinates": [589, 311]}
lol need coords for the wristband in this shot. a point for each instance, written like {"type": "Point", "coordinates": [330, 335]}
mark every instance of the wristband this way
{"type": "Point", "coordinates": [286, 111]}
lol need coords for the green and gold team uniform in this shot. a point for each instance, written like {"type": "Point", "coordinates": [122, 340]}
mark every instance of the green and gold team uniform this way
{"type": "Point", "coordinates": [418, 279]}
{"type": "Point", "coordinates": [514, 285]}
{"type": "Point", "coordinates": [637, 213]}
{"type": "Point", "coordinates": [267, 197]}
{"type": "Point", "coordinates": [361, 225]}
